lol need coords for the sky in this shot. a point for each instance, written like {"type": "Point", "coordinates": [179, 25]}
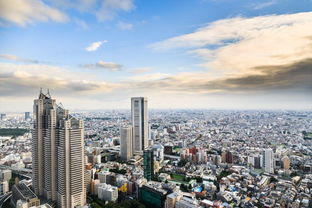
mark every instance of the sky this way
{"type": "Point", "coordinates": [181, 54]}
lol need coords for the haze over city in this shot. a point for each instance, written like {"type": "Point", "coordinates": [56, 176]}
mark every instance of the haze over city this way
{"type": "Point", "coordinates": [207, 54]}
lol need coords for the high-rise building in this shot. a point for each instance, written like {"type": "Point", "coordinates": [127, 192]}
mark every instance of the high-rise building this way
{"type": "Point", "coordinates": [268, 161]}
{"type": "Point", "coordinates": [58, 154]}
{"type": "Point", "coordinates": [2, 116]}
{"type": "Point", "coordinates": [27, 115]}
{"type": "Point", "coordinates": [286, 162]}
{"type": "Point", "coordinates": [126, 143]}
{"type": "Point", "coordinates": [148, 163]}
{"type": "Point", "coordinates": [140, 125]}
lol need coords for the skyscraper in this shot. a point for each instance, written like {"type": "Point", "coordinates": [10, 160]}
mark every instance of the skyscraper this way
{"type": "Point", "coordinates": [268, 161]}
{"type": "Point", "coordinates": [140, 123]}
{"type": "Point", "coordinates": [58, 152]}
{"type": "Point", "coordinates": [148, 163]}
{"type": "Point", "coordinates": [126, 143]}
{"type": "Point", "coordinates": [27, 115]}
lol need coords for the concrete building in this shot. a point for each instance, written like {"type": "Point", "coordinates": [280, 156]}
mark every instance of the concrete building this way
{"type": "Point", "coordinates": [126, 143]}
{"type": "Point", "coordinates": [268, 161]}
{"type": "Point", "coordinates": [286, 162]}
{"type": "Point", "coordinates": [22, 192]}
{"type": "Point", "coordinates": [58, 154]}
{"type": "Point", "coordinates": [139, 113]}
{"type": "Point", "coordinates": [172, 199]}
{"type": "Point", "coordinates": [5, 175]}
{"type": "Point", "coordinates": [107, 192]}
{"type": "Point", "coordinates": [4, 187]}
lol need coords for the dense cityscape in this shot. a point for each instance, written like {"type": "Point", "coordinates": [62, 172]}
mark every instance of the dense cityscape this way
{"type": "Point", "coordinates": [155, 104]}
{"type": "Point", "coordinates": [154, 158]}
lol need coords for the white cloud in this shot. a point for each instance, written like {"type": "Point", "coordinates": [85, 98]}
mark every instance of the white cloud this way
{"type": "Point", "coordinates": [141, 70]}
{"type": "Point", "coordinates": [109, 8]}
{"type": "Point", "coordinates": [11, 57]}
{"type": "Point", "coordinates": [23, 12]}
{"type": "Point", "coordinates": [125, 26]}
{"type": "Point", "coordinates": [95, 45]}
{"type": "Point", "coordinates": [263, 5]}
{"type": "Point", "coordinates": [239, 45]}
{"type": "Point", "coordinates": [110, 66]}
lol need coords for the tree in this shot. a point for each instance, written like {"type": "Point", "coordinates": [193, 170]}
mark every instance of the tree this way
{"type": "Point", "coordinates": [182, 163]}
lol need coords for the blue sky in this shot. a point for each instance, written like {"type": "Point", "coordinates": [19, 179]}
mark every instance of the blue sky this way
{"type": "Point", "coordinates": [179, 53]}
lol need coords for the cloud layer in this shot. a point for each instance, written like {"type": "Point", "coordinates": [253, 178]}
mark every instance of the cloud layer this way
{"type": "Point", "coordinates": [23, 12]}
{"type": "Point", "coordinates": [238, 45]}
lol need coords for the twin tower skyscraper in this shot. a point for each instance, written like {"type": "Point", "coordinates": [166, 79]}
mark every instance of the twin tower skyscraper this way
{"type": "Point", "coordinates": [58, 154]}
{"type": "Point", "coordinates": [135, 139]}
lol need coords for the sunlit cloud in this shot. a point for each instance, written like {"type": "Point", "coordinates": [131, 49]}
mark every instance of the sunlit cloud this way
{"type": "Point", "coordinates": [110, 66]}
{"type": "Point", "coordinates": [141, 70]}
{"type": "Point", "coordinates": [23, 12]}
{"type": "Point", "coordinates": [239, 45]}
{"type": "Point", "coordinates": [11, 57]}
{"type": "Point", "coordinates": [95, 45]}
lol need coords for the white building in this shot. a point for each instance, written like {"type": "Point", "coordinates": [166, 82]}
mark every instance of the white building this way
{"type": "Point", "coordinates": [186, 202]}
{"type": "Point", "coordinates": [5, 175]}
{"type": "Point", "coordinates": [158, 150]}
{"type": "Point", "coordinates": [139, 113]}
{"type": "Point", "coordinates": [126, 143]}
{"type": "Point", "coordinates": [268, 161]}
{"type": "Point", "coordinates": [107, 192]}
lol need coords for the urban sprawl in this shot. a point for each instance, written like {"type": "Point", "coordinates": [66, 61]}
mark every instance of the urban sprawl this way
{"type": "Point", "coordinates": [154, 158]}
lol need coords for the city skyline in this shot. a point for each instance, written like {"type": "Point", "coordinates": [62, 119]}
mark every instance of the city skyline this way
{"type": "Point", "coordinates": [201, 54]}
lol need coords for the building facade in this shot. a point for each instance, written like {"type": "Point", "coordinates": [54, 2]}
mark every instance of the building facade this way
{"type": "Point", "coordinates": [139, 113]}
{"type": "Point", "coordinates": [126, 143]}
{"type": "Point", "coordinates": [148, 164]}
{"type": "Point", "coordinates": [58, 154]}
{"type": "Point", "coordinates": [268, 161]}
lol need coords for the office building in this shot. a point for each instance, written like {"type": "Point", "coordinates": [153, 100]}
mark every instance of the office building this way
{"type": "Point", "coordinates": [126, 143]}
{"type": "Point", "coordinates": [2, 116]}
{"type": "Point", "coordinates": [286, 162]}
{"type": "Point", "coordinates": [153, 195]}
{"type": "Point", "coordinates": [148, 164]}
{"type": "Point", "coordinates": [22, 192]}
{"type": "Point", "coordinates": [172, 199]}
{"type": "Point", "coordinates": [5, 175]}
{"type": "Point", "coordinates": [140, 125]}
{"type": "Point", "coordinates": [107, 192]}
{"type": "Point", "coordinates": [268, 161]}
{"type": "Point", "coordinates": [27, 115]}
{"type": "Point", "coordinates": [58, 153]}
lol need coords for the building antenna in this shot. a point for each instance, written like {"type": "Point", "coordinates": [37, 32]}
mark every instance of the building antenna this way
{"type": "Point", "coordinates": [48, 93]}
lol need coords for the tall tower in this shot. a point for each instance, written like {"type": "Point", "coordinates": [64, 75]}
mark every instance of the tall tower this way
{"type": "Point", "coordinates": [58, 152]}
{"type": "Point", "coordinates": [139, 114]}
{"type": "Point", "coordinates": [268, 161]}
{"type": "Point", "coordinates": [148, 163]}
{"type": "Point", "coordinates": [126, 143]}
